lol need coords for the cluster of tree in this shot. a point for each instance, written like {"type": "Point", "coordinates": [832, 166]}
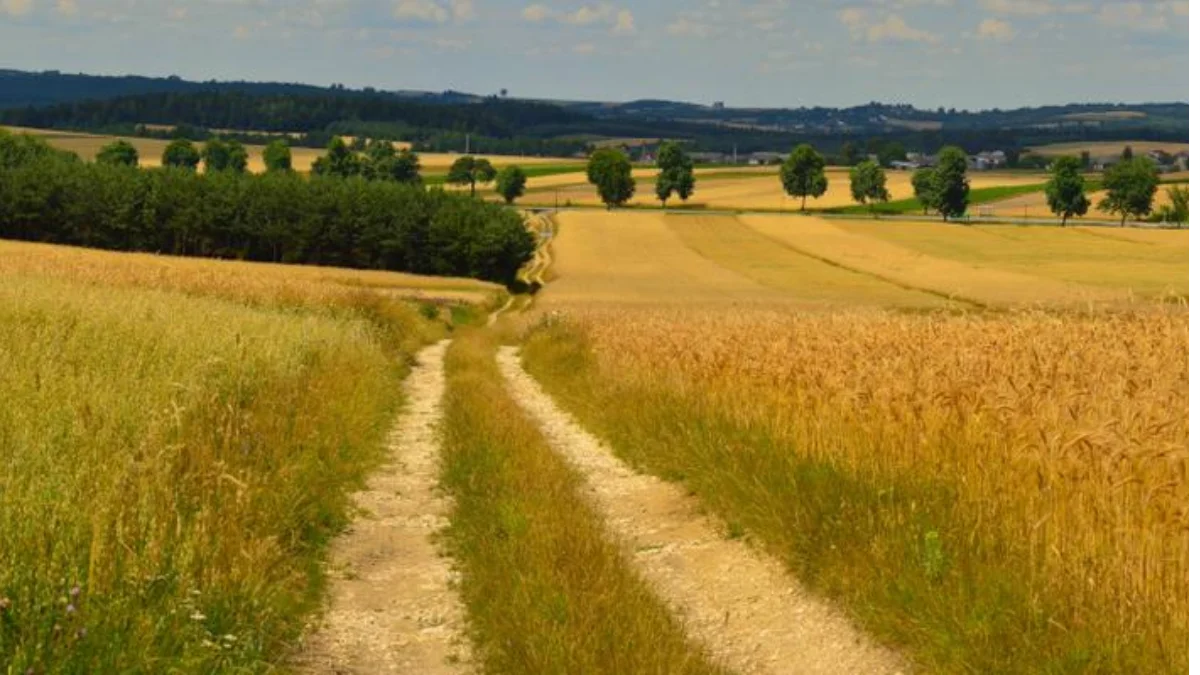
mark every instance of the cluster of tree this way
{"type": "Point", "coordinates": [675, 173]}
{"type": "Point", "coordinates": [279, 216]}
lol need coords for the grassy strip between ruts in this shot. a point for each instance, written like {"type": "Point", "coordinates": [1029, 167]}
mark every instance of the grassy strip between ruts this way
{"type": "Point", "coordinates": [546, 591]}
{"type": "Point", "coordinates": [174, 465]}
{"type": "Point", "coordinates": [895, 551]}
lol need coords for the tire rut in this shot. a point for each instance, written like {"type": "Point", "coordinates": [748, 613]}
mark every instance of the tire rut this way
{"type": "Point", "coordinates": [735, 600]}
{"type": "Point", "coordinates": [392, 607]}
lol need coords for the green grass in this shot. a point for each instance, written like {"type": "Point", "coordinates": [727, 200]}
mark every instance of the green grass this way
{"type": "Point", "coordinates": [546, 591]}
{"type": "Point", "coordinates": [884, 547]}
{"type": "Point", "coordinates": [531, 171]}
{"type": "Point", "coordinates": [174, 466]}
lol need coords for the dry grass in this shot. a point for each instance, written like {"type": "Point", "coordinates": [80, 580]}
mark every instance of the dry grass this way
{"type": "Point", "coordinates": [261, 283]}
{"type": "Point", "coordinates": [995, 493]}
{"type": "Point", "coordinates": [151, 150]}
{"type": "Point", "coordinates": [1096, 257]}
{"type": "Point", "coordinates": [1100, 149]}
{"type": "Point", "coordinates": [175, 461]}
{"type": "Point", "coordinates": [548, 592]}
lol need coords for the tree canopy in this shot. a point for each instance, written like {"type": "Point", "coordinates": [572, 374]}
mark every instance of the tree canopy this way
{"type": "Point", "coordinates": [118, 153]}
{"type": "Point", "coordinates": [1066, 193]}
{"type": "Point", "coordinates": [469, 170]}
{"type": "Point", "coordinates": [612, 174]}
{"type": "Point", "coordinates": [222, 155]}
{"type": "Point", "coordinates": [868, 184]}
{"type": "Point", "coordinates": [952, 190]}
{"type": "Point", "coordinates": [182, 154]}
{"type": "Point", "coordinates": [803, 174]}
{"type": "Point", "coordinates": [277, 156]}
{"type": "Point", "coordinates": [510, 183]}
{"type": "Point", "coordinates": [924, 183]}
{"type": "Point", "coordinates": [675, 173]}
{"type": "Point", "coordinates": [1131, 184]}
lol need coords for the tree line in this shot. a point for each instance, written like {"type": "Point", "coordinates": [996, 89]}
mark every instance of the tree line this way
{"type": "Point", "coordinates": [357, 221]}
{"type": "Point", "coordinates": [944, 188]}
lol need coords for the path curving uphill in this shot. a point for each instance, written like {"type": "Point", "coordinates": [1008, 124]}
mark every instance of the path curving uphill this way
{"type": "Point", "coordinates": [738, 602]}
{"type": "Point", "coordinates": [393, 609]}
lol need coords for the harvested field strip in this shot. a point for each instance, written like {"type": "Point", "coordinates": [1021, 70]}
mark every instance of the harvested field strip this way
{"type": "Point", "coordinates": [636, 258]}
{"type": "Point", "coordinates": [737, 601]}
{"type": "Point", "coordinates": [1050, 253]}
{"type": "Point", "coordinates": [944, 277]}
{"type": "Point", "coordinates": [393, 609]}
{"type": "Point", "coordinates": [546, 591]}
{"type": "Point", "coordinates": [733, 245]}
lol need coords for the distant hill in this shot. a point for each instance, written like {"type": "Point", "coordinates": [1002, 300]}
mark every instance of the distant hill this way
{"type": "Point", "coordinates": [500, 124]}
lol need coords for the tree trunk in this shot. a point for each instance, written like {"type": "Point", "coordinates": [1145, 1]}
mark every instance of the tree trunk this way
{"type": "Point", "coordinates": [1124, 217]}
{"type": "Point", "coordinates": [803, 203]}
{"type": "Point", "coordinates": [1064, 220]}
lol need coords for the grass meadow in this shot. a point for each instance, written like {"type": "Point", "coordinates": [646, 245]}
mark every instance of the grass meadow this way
{"type": "Point", "coordinates": [180, 439]}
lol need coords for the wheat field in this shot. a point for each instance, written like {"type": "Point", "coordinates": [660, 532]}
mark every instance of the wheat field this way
{"type": "Point", "coordinates": [181, 437]}
{"type": "Point", "coordinates": [998, 493]}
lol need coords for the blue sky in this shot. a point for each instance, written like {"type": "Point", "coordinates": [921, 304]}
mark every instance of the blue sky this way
{"type": "Point", "coordinates": [954, 53]}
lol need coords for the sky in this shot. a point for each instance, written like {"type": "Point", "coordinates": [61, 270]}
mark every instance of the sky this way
{"type": "Point", "coordinates": [969, 54]}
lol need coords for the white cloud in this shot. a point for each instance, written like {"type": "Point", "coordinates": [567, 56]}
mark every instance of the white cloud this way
{"type": "Point", "coordinates": [420, 10]}
{"type": "Point", "coordinates": [1019, 7]}
{"type": "Point", "coordinates": [684, 26]}
{"type": "Point", "coordinates": [66, 7]}
{"type": "Point", "coordinates": [584, 48]}
{"type": "Point", "coordinates": [892, 28]}
{"type": "Point", "coordinates": [1138, 16]}
{"type": "Point", "coordinates": [463, 9]}
{"type": "Point", "coordinates": [535, 13]}
{"type": "Point", "coordinates": [625, 24]}
{"type": "Point", "coordinates": [16, 7]}
{"type": "Point", "coordinates": [995, 29]}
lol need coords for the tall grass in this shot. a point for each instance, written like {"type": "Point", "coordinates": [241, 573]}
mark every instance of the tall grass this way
{"type": "Point", "coordinates": [173, 465]}
{"type": "Point", "coordinates": [546, 591]}
{"type": "Point", "coordinates": [998, 493]}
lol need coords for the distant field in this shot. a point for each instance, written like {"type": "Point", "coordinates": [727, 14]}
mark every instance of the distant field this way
{"type": "Point", "coordinates": [1034, 205]}
{"type": "Point", "coordinates": [653, 258]}
{"type": "Point", "coordinates": [1107, 148]}
{"type": "Point", "coordinates": [151, 150]}
{"type": "Point", "coordinates": [1147, 264]}
{"type": "Point", "coordinates": [752, 189]}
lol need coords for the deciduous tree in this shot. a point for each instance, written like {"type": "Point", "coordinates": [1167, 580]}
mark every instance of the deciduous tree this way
{"type": "Point", "coordinates": [277, 156]}
{"type": "Point", "coordinates": [612, 174]}
{"type": "Point", "coordinates": [469, 170]}
{"type": "Point", "coordinates": [952, 191]}
{"type": "Point", "coordinates": [676, 173]}
{"type": "Point", "coordinates": [868, 184]}
{"type": "Point", "coordinates": [181, 153]}
{"type": "Point", "coordinates": [1066, 192]}
{"type": "Point", "coordinates": [510, 183]}
{"type": "Point", "coordinates": [924, 182]}
{"type": "Point", "coordinates": [803, 175]}
{"type": "Point", "coordinates": [1131, 184]}
{"type": "Point", "coordinates": [118, 153]}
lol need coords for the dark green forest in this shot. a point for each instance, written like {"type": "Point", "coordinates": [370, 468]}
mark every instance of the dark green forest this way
{"type": "Point", "coordinates": [53, 197]}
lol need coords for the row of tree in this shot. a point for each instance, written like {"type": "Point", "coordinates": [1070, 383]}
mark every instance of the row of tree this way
{"type": "Point", "coordinates": [279, 216]}
{"type": "Point", "coordinates": [944, 188]}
